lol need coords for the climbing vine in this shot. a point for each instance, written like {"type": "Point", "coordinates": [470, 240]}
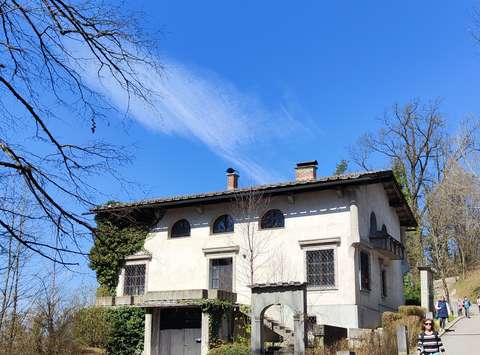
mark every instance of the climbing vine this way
{"type": "Point", "coordinates": [112, 244]}
{"type": "Point", "coordinates": [215, 309]}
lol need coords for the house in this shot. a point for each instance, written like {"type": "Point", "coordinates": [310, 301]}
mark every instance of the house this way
{"type": "Point", "coordinates": [342, 235]}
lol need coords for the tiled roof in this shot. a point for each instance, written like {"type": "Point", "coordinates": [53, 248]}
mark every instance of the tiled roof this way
{"type": "Point", "coordinates": [346, 178]}
{"type": "Point", "coordinates": [392, 188]}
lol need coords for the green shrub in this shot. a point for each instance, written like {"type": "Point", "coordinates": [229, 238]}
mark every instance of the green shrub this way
{"type": "Point", "coordinates": [231, 349]}
{"type": "Point", "coordinates": [411, 290]}
{"type": "Point", "coordinates": [412, 311]}
{"type": "Point", "coordinates": [127, 327]}
{"type": "Point", "coordinates": [91, 326]}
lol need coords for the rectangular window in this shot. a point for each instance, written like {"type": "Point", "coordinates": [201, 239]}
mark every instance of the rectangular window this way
{"type": "Point", "coordinates": [134, 282]}
{"type": "Point", "coordinates": [364, 271]}
{"type": "Point", "coordinates": [384, 283]}
{"type": "Point", "coordinates": [321, 268]}
{"type": "Point", "coordinates": [383, 277]}
{"type": "Point", "coordinates": [221, 274]}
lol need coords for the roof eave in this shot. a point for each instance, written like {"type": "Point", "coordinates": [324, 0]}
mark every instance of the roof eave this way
{"type": "Point", "coordinates": [386, 177]}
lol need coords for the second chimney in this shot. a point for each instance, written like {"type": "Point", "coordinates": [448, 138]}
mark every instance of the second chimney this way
{"type": "Point", "coordinates": [306, 171]}
{"type": "Point", "coordinates": [232, 179]}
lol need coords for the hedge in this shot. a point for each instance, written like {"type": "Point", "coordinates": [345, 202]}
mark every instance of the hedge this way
{"type": "Point", "coordinates": [127, 332]}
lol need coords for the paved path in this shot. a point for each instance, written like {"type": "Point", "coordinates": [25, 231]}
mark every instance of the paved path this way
{"type": "Point", "coordinates": [464, 337]}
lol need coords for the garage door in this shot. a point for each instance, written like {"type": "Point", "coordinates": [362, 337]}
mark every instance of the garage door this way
{"type": "Point", "coordinates": [180, 331]}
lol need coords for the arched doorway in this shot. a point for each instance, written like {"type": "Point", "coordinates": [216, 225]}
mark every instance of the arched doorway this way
{"type": "Point", "coordinates": [294, 296]}
{"type": "Point", "coordinates": [277, 330]}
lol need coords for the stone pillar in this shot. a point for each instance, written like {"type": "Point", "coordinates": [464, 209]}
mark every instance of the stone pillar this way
{"type": "Point", "coordinates": [426, 288]}
{"type": "Point", "coordinates": [256, 335]}
{"type": "Point", "coordinates": [402, 340]}
{"type": "Point", "coordinates": [147, 340]}
{"type": "Point", "coordinates": [299, 331]}
{"type": "Point", "coordinates": [205, 334]}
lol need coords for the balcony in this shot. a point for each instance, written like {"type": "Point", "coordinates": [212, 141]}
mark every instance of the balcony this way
{"type": "Point", "coordinates": [387, 245]}
{"type": "Point", "coordinates": [167, 298]}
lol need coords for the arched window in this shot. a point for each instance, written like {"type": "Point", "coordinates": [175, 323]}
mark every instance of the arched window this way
{"type": "Point", "coordinates": [223, 224]}
{"type": "Point", "coordinates": [373, 224]}
{"type": "Point", "coordinates": [272, 219]}
{"type": "Point", "coordinates": [181, 228]}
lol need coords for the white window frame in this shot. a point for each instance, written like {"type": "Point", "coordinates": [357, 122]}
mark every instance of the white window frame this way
{"type": "Point", "coordinates": [321, 244]}
{"type": "Point", "coordinates": [134, 260]}
{"type": "Point", "coordinates": [222, 253]}
{"type": "Point", "coordinates": [359, 270]}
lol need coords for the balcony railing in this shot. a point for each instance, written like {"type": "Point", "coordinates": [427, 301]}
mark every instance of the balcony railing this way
{"type": "Point", "coordinates": [387, 245]}
{"type": "Point", "coordinates": [167, 298]}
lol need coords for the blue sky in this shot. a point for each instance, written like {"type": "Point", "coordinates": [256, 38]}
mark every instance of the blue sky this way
{"type": "Point", "coordinates": [290, 82]}
{"type": "Point", "coordinates": [261, 85]}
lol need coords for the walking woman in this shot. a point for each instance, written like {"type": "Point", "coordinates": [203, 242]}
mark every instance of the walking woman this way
{"type": "Point", "coordinates": [429, 341]}
{"type": "Point", "coordinates": [443, 311]}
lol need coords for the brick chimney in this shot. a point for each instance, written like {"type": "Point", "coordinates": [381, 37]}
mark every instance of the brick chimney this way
{"type": "Point", "coordinates": [232, 179]}
{"type": "Point", "coordinates": [306, 171]}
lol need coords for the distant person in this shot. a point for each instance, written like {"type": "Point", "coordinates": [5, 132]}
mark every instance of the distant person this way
{"type": "Point", "coordinates": [429, 341]}
{"type": "Point", "coordinates": [460, 307]}
{"type": "Point", "coordinates": [443, 311]}
{"type": "Point", "coordinates": [466, 306]}
{"type": "Point", "coordinates": [478, 303]}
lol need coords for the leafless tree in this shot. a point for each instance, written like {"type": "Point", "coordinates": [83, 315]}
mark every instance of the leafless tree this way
{"type": "Point", "coordinates": [248, 208]}
{"type": "Point", "coordinates": [411, 138]}
{"type": "Point", "coordinates": [453, 223]}
{"type": "Point", "coordinates": [414, 141]}
{"type": "Point", "coordinates": [439, 234]}
{"type": "Point", "coordinates": [263, 256]}
{"type": "Point", "coordinates": [46, 47]}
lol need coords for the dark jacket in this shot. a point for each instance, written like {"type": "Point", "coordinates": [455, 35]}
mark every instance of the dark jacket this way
{"type": "Point", "coordinates": [443, 311]}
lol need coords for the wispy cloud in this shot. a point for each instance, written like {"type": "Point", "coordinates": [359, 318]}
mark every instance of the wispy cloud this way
{"type": "Point", "coordinates": [198, 104]}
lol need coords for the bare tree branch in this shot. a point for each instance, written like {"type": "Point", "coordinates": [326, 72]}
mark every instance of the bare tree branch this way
{"type": "Point", "coordinates": [45, 46]}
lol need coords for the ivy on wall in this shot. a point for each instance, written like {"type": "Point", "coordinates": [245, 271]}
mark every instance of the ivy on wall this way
{"type": "Point", "coordinates": [112, 244]}
{"type": "Point", "coordinates": [215, 309]}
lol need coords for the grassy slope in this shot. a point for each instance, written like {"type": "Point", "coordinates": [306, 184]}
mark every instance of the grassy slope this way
{"type": "Point", "coordinates": [469, 287]}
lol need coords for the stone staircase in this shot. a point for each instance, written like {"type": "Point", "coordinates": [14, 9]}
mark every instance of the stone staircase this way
{"type": "Point", "coordinates": [285, 335]}
{"type": "Point", "coordinates": [280, 335]}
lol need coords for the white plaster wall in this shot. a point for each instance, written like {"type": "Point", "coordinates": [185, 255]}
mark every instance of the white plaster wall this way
{"type": "Point", "coordinates": [180, 263]}
{"type": "Point", "coordinates": [373, 198]}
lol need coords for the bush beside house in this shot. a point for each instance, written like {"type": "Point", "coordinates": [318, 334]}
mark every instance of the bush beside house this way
{"type": "Point", "coordinates": [118, 330]}
{"type": "Point", "coordinates": [231, 349]}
